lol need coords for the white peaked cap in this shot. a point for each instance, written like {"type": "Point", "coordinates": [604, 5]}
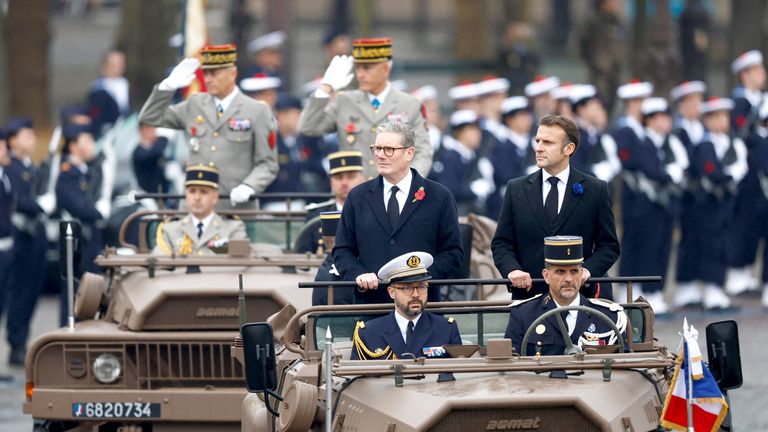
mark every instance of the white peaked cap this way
{"type": "Point", "coordinates": [541, 85]}
{"type": "Point", "coordinates": [635, 90]}
{"type": "Point", "coordinates": [427, 92]}
{"type": "Point", "coordinates": [749, 58]}
{"type": "Point", "coordinates": [715, 104]}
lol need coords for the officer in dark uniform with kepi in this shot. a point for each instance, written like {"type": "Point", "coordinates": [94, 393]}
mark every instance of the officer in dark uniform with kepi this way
{"type": "Point", "coordinates": [346, 172]}
{"type": "Point", "coordinates": [563, 257]}
{"type": "Point", "coordinates": [327, 271]}
{"type": "Point", "coordinates": [409, 329]}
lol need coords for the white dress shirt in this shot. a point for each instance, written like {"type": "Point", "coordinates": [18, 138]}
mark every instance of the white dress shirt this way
{"type": "Point", "coordinates": [562, 176]}
{"type": "Point", "coordinates": [381, 96]}
{"type": "Point", "coordinates": [402, 323]}
{"type": "Point", "coordinates": [224, 103]}
{"type": "Point", "coordinates": [404, 187]}
{"type": "Point", "coordinates": [206, 221]}
{"type": "Point", "coordinates": [570, 320]}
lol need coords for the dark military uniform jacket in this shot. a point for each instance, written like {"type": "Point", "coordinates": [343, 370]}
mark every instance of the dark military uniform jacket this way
{"type": "Point", "coordinates": [352, 116]}
{"type": "Point", "coordinates": [546, 337]}
{"type": "Point", "coordinates": [241, 143]}
{"type": "Point", "coordinates": [380, 338]}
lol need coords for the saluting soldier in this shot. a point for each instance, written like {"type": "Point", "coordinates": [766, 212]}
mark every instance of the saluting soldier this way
{"type": "Point", "coordinates": [356, 114]}
{"type": "Point", "coordinates": [409, 329]}
{"type": "Point", "coordinates": [747, 99]}
{"type": "Point", "coordinates": [563, 258]}
{"type": "Point", "coordinates": [228, 130]}
{"type": "Point", "coordinates": [718, 164]}
{"type": "Point", "coordinates": [202, 231]}
{"type": "Point", "coordinates": [653, 175]}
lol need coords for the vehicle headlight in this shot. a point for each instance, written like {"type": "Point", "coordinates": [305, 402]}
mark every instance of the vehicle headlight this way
{"type": "Point", "coordinates": [107, 368]}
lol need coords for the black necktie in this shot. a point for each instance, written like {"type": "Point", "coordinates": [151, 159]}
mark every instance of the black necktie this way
{"type": "Point", "coordinates": [408, 333]}
{"type": "Point", "coordinates": [199, 230]}
{"type": "Point", "coordinates": [393, 208]}
{"type": "Point", "coordinates": [550, 204]}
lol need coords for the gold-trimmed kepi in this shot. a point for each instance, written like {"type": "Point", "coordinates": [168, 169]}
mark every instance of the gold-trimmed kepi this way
{"type": "Point", "coordinates": [328, 222]}
{"type": "Point", "coordinates": [409, 267]}
{"type": "Point", "coordinates": [345, 161]}
{"type": "Point", "coordinates": [372, 50]}
{"type": "Point", "coordinates": [216, 56]}
{"type": "Point", "coordinates": [201, 175]}
{"type": "Point", "coordinates": [563, 250]}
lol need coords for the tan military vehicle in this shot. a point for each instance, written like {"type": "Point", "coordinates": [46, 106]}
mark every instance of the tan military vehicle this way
{"type": "Point", "coordinates": [152, 348]}
{"type": "Point", "coordinates": [481, 386]}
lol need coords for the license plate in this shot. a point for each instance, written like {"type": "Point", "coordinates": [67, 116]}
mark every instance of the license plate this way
{"type": "Point", "coordinates": [115, 410]}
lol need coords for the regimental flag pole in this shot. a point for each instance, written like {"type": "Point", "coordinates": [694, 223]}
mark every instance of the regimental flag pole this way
{"type": "Point", "coordinates": [689, 373]}
{"type": "Point", "coordinates": [328, 380]}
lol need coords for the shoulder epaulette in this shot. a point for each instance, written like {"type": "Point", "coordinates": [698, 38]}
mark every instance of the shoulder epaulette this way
{"type": "Point", "coordinates": [614, 307]}
{"type": "Point", "coordinates": [519, 302]}
{"type": "Point", "coordinates": [317, 205]}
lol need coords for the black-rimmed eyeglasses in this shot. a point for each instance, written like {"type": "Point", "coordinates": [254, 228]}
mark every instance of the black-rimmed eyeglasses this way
{"type": "Point", "coordinates": [388, 151]}
{"type": "Point", "coordinates": [408, 289]}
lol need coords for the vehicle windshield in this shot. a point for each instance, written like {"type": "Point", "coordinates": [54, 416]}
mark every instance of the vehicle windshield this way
{"type": "Point", "coordinates": [475, 325]}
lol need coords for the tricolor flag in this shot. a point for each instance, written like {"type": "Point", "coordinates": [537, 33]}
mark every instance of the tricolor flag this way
{"type": "Point", "coordinates": [692, 380]}
{"type": "Point", "coordinates": [195, 38]}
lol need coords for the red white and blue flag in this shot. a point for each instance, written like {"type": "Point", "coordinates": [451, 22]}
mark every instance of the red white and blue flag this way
{"type": "Point", "coordinates": [708, 403]}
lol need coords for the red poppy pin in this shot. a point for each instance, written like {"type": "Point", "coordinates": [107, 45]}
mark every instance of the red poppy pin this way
{"type": "Point", "coordinates": [419, 194]}
{"type": "Point", "coordinates": [351, 128]}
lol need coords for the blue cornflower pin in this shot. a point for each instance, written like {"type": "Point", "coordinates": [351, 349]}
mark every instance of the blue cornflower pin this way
{"type": "Point", "coordinates": [578, 189]}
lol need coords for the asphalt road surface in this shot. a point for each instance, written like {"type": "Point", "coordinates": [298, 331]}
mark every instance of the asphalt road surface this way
{"type": "Point", "coordinates": [748, 403]}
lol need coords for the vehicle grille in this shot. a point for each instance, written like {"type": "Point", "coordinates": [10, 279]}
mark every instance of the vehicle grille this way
{"type": "Point", "coordinates": [185, 364]}
{"type": "Point", "coordinates": [518, 419]}
{"type": "Point", "coordinates": [151, 365]}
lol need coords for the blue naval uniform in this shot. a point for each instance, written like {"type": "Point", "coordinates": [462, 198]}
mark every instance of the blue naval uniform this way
{"type": "Point", "coordinates": [595, 154]}
{"type": "Point", "coordinates": [524, 312]}
{"type": "Point", "coordinates": [381, 339]}
{"type": "Point", "coordinates": [750, 220]}
{"type": "Point", "coordinates": [509, 159]}
{"type": "Point", "coordinates": [707, 210]}
{"type": "Point", "coordinates": [149, 166]}
{"type": "Point", "coordinates": [26, 274]}
{"type": "Point", "coordinates": [6, 233]}
{"type": "Point", "coordinates": [742, 242]}
{"type": "Point", "coordinates": [456, 169]}
{"type": "Point", "coordinates": [689, 132]}
{"type": "Point", "coordinates": [744, 114]}
{"type": "Point", "coordinates": [289, 158]}
{"type": "Point", "coordinates": [650, 194]}
{"type": "Point", "coordinates": [74, 189]}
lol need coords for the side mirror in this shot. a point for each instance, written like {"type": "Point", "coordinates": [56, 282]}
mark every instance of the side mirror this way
{"type": "Point", "coordinates": [63, 246]}
{"type": "Point", "coordinates": [259, 350]}
{"type": "Point", "coordinates": [724, 354]}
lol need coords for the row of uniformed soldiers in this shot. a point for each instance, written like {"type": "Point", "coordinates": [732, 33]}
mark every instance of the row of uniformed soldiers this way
{"type": "Point", "coordinates": [700, 163]}
{"type": "Point", "coordinates": [30, 196]}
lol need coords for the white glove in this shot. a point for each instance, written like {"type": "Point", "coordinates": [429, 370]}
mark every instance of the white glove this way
{"type": "Point", "coordinates": [181, 75]}
{"type": "Point", "coordinates": [241, 194]}
{"type": "Point", "coordinates": [339, 72]}
{"type": "Point", "coordinates": [481, 188]}
{"type": "Point", "coordinates": [172, 172]}
{"type": "Point", "coordinates": [47, 202]}
{"type": "Point", "coordinates": [104, 207]}
{"type": "Point", "coordinates": [675, 172]}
